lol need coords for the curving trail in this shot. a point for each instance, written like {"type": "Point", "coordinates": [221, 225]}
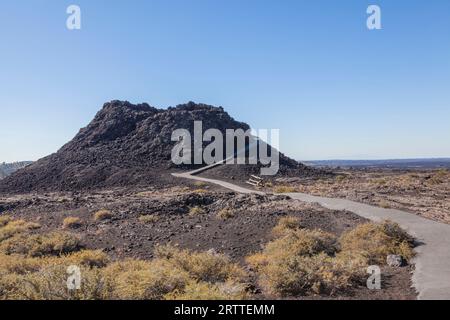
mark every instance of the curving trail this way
{"type": "Point", "coordinates": [431, 277]}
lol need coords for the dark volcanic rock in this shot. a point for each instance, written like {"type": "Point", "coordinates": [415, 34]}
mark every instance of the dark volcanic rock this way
{"type": "Point", "coordinates": [125, 145]}
{"type": "Point", "coordinates": [8, 168]}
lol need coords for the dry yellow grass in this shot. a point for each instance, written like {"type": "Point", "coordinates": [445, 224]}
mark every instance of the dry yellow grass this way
{"type": "Point", "coordinates": [225, 214]}
{"type": "Point", "coordinates": [340, 178]}
{"type": "Point", "coordinates": [175, 274]}
{"type": "Point", "coordinates": [4, 220]}
{"type": "Point", "coordinates": [285, 225]}
{"type": "Point", "coordinates": [377, 241]}
{"type": "Point", "coordinates": [35, 267]}
{"type": "Point", "coordinates": [149, 218]}
{"type": "Point", "coordinates": [102, 215]}
{"type": "Point", "coordinates": [151, 282]}
{"type": "Point", "coordinates": [304, 261]}
{"type": "Point", "coordinates": [13, 227]}
{"type": "Point", "coordinates": [50, 283]}
{"type": "Point", "coordinates": [299, 262]}
{"type": "Point", "coordinates": [72, 223]}
{"type": "Point", "coordinates": [284, 275]}
{"type": "Point", "coordinates": [381, 182]}
{"type": "Point", "coordinates": [303, 242]}
{"type": "Point", "coordinates": [131, 279]}
{"type": "Point", "coordinates": [384, 204]}
{"type": "Point", "coordinates": [284, 189]}
{"type": "Point", "coordinates": [195, 211]}
{"type": "Point", "coordinates": [200, 184]}
{"type": "Point", "coordinates": [20, 265]}
{"type": "Point", "coordinates": [439, 176]}
{"type": "Point", "coordinates": [145, 193]}
{"type": "Point", "coordinates": [90, 258]}
{"type": "Point", "coordinates": [54, 243]}
{"type": "Point", "coordinates": [207, 291]}
{"type": "Point", "coordinates": [202, 266]}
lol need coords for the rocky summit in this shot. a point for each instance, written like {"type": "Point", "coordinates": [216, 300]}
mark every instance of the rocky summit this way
{"type": "Point", "coordinates": [125, 145]}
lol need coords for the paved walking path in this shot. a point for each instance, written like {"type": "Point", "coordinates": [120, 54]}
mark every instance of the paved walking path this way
{"type": "Point", "coordinates": [431, 277]}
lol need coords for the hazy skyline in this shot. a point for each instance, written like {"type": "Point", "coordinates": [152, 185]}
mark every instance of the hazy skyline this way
{"type": "Point", "coordinates": [309, 68]}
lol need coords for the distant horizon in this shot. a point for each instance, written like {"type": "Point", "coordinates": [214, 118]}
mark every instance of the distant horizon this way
{"type": "Point", "coordinates": [382, 159]}
{"type": "Point", "coordinates": [304, 160]}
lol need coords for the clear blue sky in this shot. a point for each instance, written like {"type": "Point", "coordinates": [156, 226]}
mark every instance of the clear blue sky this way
{"type": "Point", "coordinates": [310, 68]}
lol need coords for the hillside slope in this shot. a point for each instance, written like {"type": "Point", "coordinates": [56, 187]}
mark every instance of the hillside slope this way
{"type": "Point", "coordinates": [124, 145]}
{"type": "Point", "coordinates": [8, 168]}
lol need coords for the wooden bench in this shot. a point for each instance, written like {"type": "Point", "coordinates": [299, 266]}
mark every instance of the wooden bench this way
{"type": "Point", "coordinates": [254, 181]}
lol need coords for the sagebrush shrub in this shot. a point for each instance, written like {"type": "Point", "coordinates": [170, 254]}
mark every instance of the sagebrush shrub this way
{"type": "Point", "coordinates": [13, 227]}
{"type": "Point", "coordinates": [4, 220]}
{"type": "Point", "coordinates": [154, 281]}
{"type": "Point", "coordinates": [53, 243]}
{"type": "Point", "coordinates": [210, 291]}
{"type": "Point", "coordinates": [304, 261]}
{"type": "Point", "coordinates": [89, 258]}
{"type": "Point", "coordinates": [303, 242]}
{"type": "Point", "coordinates": [72, 223]}
{"type": "Point", "coordinates": [195, 211]}
{"type": "Point", "coordinates": [19, 264]}
{"type": "Point", "coordinates": [34, 266]}
{"type": "Point", "coordinates": [148, 218]}
{"type": "Point", "coordinates": [202, 266]}
{"type": "Point", "coordinates": [285, 225]}
{"type": "Point", "coordinates": [50, 283]}
{"type": "Point", "coordinates": [102, 215]}
{"type": "Point", "coordinates": [378, 240]}
{"type": "Point", "coordinates": [225, 214]}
